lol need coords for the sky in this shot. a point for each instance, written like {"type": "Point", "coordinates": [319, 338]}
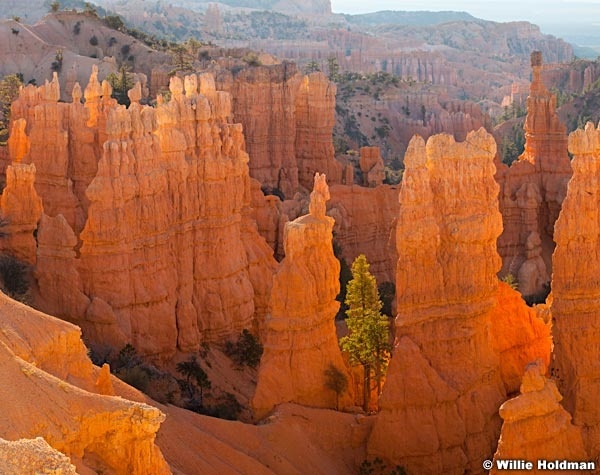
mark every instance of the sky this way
{"type": "Point", "coordinates": [544, 12]}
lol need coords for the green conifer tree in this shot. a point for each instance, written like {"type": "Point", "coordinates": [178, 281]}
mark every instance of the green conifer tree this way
{"type": "Point", "coordinates": [367, 343]}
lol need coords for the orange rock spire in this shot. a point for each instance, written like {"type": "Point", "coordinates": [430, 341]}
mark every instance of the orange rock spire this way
{"type": "Point", "coordinates": [454, 357]}
{"type": "Point", "coordinates": [532, 190]}
{"type": "Point", "coordinates": [299, 335]}
{"type": "Point", "coordinates": [575, 287]}
{"type": "Point", "coordinates": [536, 427]}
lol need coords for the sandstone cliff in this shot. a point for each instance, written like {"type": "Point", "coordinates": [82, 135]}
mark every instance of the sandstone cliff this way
{"type": "Point", "coordinates": [446, 274]}
{"type": "Point", "coordinates": [365, 221]}
{"type": "Point", "coordinates": [299, 335]}
{"type": "Point", "coordinates": [453, 359]}
{"type": "Point", "coordinates": [49, 390]}
{"type": "Point", "coordinates": [154, 239]}
{"type": "Point", "coordinates": [288, 119]}
{"type": "Point", "coordinates": [575, 285]}
{"type": "Point", "coordinates": [536, 427]}
{"type": "Point", "coordinates": [532, 191]}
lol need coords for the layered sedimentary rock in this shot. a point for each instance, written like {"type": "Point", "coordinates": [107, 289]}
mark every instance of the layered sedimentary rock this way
{"type": "Point", "coordinates": [299, 335]}
{"type": "Point", "coordinates": [315, 118]}
{"type": "Point", "coordinates": [532, 190]}
{"type": "Point", "coordinates": [462, 338]}
{"type": "Point", "coordinates": [575, 289]}
{"type": "Point", "coordinates": [49, 390]}
{"type": "Point", "coordinates": [365, 221]}
{"type": "Point", "coordinates": [147, 218]}
{"type": "Point", "coordinates": [536, 427]}
{"type": "Point", "coordinates": [264, 104]}
{"type": "Point", "coordinates": [21, 208]}
{"type": "Point", "coordinates": [446, 284]}
{"type": "Point", "coordinates": [288, 121]}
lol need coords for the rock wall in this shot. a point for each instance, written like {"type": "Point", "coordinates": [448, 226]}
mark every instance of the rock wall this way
{"type": "Point", "coordinates": [288, 121]}
{"type": "Point", "coordinates": [49, 386]}
{"type": "Point", "coordinates": [453, 360]}
{"type": "Point", "coordinates": [299, 336]}
{"type": "Point", "coordinates": [154, 239]}
{"type": "Point", "coordinates": [365, 221]}
{"type": "Point", "coordinates": [315, 118]}
{"type": "Point", "coordinates": [532, 191]}
{"type": "Point", "coordinates": [575, 286]}
{"type": "Point", "coordinates": [536, 427]}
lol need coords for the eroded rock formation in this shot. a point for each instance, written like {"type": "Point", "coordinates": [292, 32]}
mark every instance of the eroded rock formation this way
{"type": "Point", "coordinates": [532, 191]}
{"type": "Point", "coordinates": [33, 456]}
{"type": "Point", "coordinates": [299, 335]}
{"type": "Point", "coordinates": [21, 209]}
{"type": "Point", "coordinates": [536, 427]}
{"type": "Point", "coordinates": [449, 372]}
{"type": "Point", "coordinates": [154, 240]}
{"type": "Point", "coordinates": [446, 273]}
{"type": "Point", "coordinates": [288, 121]}
{"type": "Point", "coordinates": [49, 390]}
{"type": "Point", "coordinates": [519, 336]}
{"type": "Point", "coordinates": [575, 286]}
{"type": "Point", "coordinates": [371, 166]}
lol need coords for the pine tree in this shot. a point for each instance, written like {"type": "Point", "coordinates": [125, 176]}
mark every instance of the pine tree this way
{"type": "Point", "coordinates": [368, 341]}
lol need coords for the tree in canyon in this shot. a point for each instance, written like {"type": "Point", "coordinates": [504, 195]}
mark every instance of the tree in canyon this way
{"type": "Point", "coordinates": [368, 342]}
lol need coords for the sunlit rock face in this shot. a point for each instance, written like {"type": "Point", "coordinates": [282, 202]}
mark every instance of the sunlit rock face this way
{"type": "Point", "coordinates": [299, 335]}
{"type": "Point", "coordinates": [575, 287]}
{"type": "Point", "coordinates": [50, 386]}
{"type": "Point", "coordinates": [451, 364]}
{"type": "Point", "coordinates": [536, 427]}
{"type": "Point", "coordinates": [147, 216]}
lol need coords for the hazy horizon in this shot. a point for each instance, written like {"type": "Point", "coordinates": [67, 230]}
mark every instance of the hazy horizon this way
{"type": "Point", "coordinates": [546, 13]}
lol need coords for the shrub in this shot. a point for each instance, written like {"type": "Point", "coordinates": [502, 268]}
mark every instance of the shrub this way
{"type": "Point", "coordinates": [94, 40]}
{"type": "Point", "coordinates": [13, 274]}
{"type": "Point", "coordinates": [137, 377]}
{"type": "Point", "coordinates": [246, 351]}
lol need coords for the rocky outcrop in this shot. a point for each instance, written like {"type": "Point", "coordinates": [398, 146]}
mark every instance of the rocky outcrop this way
{"type": "Point", "coordinates": [21, 208]}
{"type": "Point", "coordinates": [575, 286]}
{"type": "Point", "coordinates": [536, 427]}
{"type": "Point", "coordinates": [49, 388]}
{"type": "Point", "coordinates": [148, 219]}
{"type": "Point", "coordinates": [372, 167]}
{"type": "Point", "coordinates": [265, 105]}
{"type": "Point", "coordinates": [33, 457]}
{"type": "Point", "coordinates": [445, 285]}
{"type": "Point", "coordinates": [299, 335]}
{"type": "Point", "coordinates": [532, 191]}
{"type": "Point", "coordinates": [315, 118]}
{"type": "Point", "coordinates": [519, 336]}
{"type": "Point", "coordinates": [462, 338]}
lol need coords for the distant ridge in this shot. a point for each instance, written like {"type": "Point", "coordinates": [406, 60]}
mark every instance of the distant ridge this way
{"type": "Point", "coordinates": [421, 18]}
